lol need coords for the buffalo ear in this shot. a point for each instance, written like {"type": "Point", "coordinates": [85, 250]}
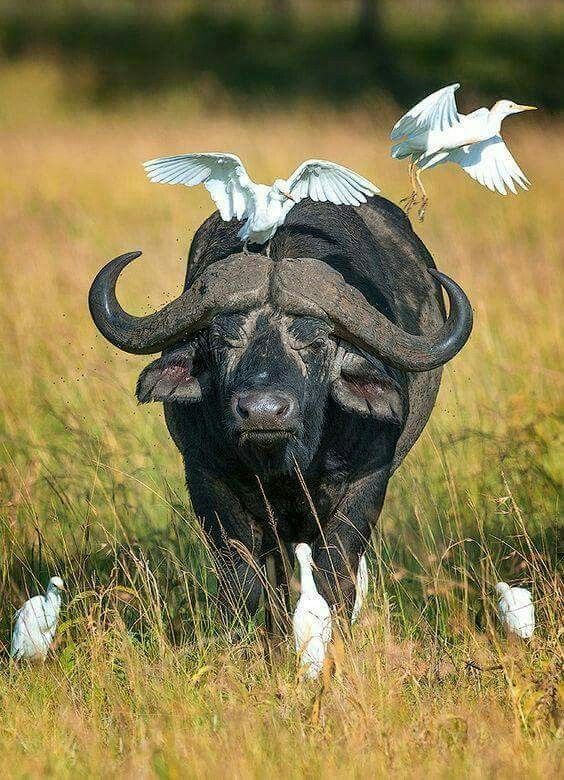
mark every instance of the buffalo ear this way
{"type": "Point", "coordinates": [169, 379]}
{"type": "Point", "coordinates": [364, 387]}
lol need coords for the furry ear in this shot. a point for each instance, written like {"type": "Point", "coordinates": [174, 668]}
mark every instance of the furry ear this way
{"type": "Point", "coordinates": [169, 379]}
{"type": "Point", "coordinates": [364, 387]}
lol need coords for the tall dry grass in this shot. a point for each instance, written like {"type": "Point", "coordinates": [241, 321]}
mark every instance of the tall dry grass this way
{"type": "Point", "coordinates": [143, 682]}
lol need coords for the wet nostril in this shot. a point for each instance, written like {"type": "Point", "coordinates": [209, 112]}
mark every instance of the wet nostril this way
{"type": "Point", "coordinates": [263, 409]}
{"type": "Point", "coordinates": [242, 408]}
{"type": "Point", "coordinates": [282, 409]}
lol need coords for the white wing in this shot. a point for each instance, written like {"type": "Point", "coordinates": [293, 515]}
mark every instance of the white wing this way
{"type": "Point", "coordinates": [312, 633]}
{"type": "Point", "coordinates": [223, 175]}
{"type": "Point", "coordinates": [322, 180]}
{"type": "Point", "coordinates": [361, 588]}
{"type": "Point", "coordinates": [490, 163]}
{"type": "Point", "coordinates": [17, 649]}
{"type": "Point", "coordinates": [35, 622]}
{"type": "Point", "coordinates": [479, 113]}
{"type": "Point", "coordinates": [436, 112]}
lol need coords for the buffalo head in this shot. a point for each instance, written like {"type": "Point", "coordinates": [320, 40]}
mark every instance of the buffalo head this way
{"type": "Point", "coordinates": [262, 346]}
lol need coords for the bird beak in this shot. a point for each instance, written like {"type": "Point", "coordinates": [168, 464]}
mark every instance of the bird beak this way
{"type": "Point", "coordinates": [525, 108]}
{"type": "Point", "coordinates": [287, 195]}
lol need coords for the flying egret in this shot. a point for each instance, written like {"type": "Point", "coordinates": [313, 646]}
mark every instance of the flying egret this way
{"type": "Point", "coordinates": [312, 618]}
{"type": "Point", "coordinates": [516, 610]}
{"type": "Point", "coordinates": [36, 623]}
{"type": "Point", "coordinates": [361, 588]}
{"type": "Point", "coordinates": [434, 133]}
{"type": "Point", "coordinates": [262, 207]}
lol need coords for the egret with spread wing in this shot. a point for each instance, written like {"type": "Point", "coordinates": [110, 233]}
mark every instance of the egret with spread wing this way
{"type": "Point", "coordinates": [262, 207]}
{"type": "Point", "coordinates": [434, 132]}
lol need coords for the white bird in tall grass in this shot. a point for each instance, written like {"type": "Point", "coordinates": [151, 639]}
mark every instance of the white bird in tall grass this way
{"type": "Point", "coordinates": [262, 207]}
{"type": "Point", "coordinates": [434, 133]}
{"type": "Point", "coordinates": [36, 624]}
{"type": "Point", "coordinates": [516, 610]}
{"type": "Point", "coordinates": [361, 590]}
{"type": "Point", "coordinates": [312, 618]}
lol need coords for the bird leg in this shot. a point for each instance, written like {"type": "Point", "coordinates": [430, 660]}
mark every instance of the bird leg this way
{"type": "Point", "coordinates": [411, 200]}
{"type": "Point", "coordinates": [246, 248]}
{"type": "Point", "coordinates": [425, 199]}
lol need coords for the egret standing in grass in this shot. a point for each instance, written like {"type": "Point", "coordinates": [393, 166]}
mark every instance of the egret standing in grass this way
{"type": "Point", "coordinates": [361, 588]}
{"type": "Point", "coordinates": [262, 207]}
{"type": "Point", "coordinates": [434, 133]}
{"type": "Point", "coordinates": [36, 624]}
{"type": "Point", "coordinates": [312, 618]}
{"type": "Point", "coordinates": [516, 610]}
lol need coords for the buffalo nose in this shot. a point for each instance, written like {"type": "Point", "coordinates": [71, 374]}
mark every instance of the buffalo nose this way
{"type": "Point", "coordinates": [266, 410]}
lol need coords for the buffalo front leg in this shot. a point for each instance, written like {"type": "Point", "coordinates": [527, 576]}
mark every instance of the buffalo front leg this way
{"type": "Point", "coordinates": [278, 563]}
{"type": "Point", "coordinates": [235, 544]}
{"type": "Point", "coordinates": [239, 586]}
{"type": "Point", "coordinates": [337, 551]}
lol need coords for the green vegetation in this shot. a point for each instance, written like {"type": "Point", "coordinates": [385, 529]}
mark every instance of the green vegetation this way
{"type": "Point", "coordinates": [143, 682]}
{"type": "Point", "coordinates": [316, 50]}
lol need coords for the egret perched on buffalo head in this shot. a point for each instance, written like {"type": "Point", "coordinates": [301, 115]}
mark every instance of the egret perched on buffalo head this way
{"type": "Point", "coordinates": [264, 208]}
{"type": "Point", "coordinates": [312, 618]}
{"type": "Point", "coordinates": [36, 624]}
{"type": "Point", "coordinates": [434, 133]}
{"type": "Point", "coordinates": [516, 610]}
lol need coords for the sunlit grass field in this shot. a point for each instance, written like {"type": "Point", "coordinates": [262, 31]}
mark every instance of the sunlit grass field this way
{"type": "Point", "coordinates": [143, 682]}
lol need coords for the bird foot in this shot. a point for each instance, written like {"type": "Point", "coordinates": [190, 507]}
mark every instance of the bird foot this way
{"type": "Point", "coordinates": [409, 201]}
{"type": "Point", "coordinates": [422, 208]}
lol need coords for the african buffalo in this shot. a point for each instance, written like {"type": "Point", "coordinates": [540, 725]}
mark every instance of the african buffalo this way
{"type": "Point", "coordinates": [294, 382]}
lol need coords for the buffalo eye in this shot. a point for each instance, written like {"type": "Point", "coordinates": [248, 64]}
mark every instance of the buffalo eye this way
{"type": "Point", "coordinates": [227, 332]}
{"type": "Point", "coordinates": [307, 335]}
{"type": "Point", "coordinates": [220, 340]}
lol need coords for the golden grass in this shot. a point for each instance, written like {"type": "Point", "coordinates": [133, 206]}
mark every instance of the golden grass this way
{"type": "Point", "coordinates": [143, 683]}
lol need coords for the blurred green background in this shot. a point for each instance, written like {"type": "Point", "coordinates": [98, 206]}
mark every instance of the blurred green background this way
{"type": "Point", "coordinates": [336, 51]}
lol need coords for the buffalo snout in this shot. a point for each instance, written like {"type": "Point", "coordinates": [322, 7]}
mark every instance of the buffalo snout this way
{"type": "Point", "coordinates": [265, 410]}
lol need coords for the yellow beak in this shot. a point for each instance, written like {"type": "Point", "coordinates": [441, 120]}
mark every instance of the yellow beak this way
{"type": "Point", "coordinates": [526, 108]}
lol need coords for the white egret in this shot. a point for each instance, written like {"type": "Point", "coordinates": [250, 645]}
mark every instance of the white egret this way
{"type": "Point", "coordinates": [361, 588]}
{"type": "Point", "coordinates": [312, 618]}
{"type": "Point", "coordinates": [262, 207]}
{"type": "Point", "coordinates": [434, 133]}
{"type": "Point", "coordinates": [516, 610]}
{"type": "Point", "coordinates": [36, 624]}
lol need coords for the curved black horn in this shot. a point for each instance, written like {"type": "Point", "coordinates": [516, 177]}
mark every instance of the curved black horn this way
{"type": "Point", "coordinates": [234, 284]}
{"type": "Point", "coordinates": [355, 320]}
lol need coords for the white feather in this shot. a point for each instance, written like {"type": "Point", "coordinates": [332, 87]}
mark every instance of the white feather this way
{"type": "Point", "coordinates": [223, 175]}
{"type": "Point", "coordinates": [434, 132]}
{"type": "Point", "coordinates": [311, 620]}
{"type": "Point", "coordinates": [491, 163]}
{"type": "Point", "coordinates": [263, 208]}
{"type": "Point", "coordinates": [322, 180]}
{"type": "Point", "coordinates": [435, 112]}
{"type": "Point", "coordinates": [361, 590]}
{"type": "Point", "coordinates": [516, 610]}
{"type": "Point", "coordinates": [36, 624]}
